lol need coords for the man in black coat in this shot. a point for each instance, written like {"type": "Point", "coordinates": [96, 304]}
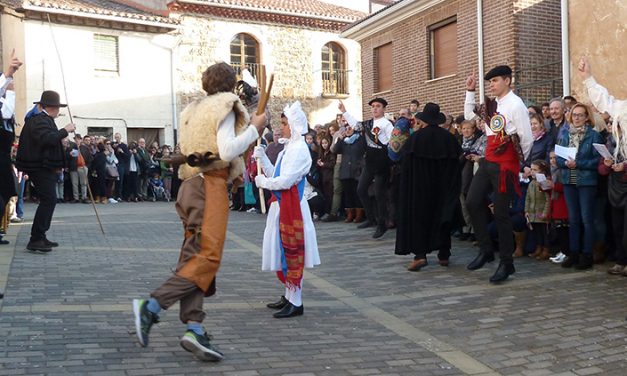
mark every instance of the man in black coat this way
{"type": "Point", "coordinates": [124, 158]}
{"type": "Point", "coordinates": [429, 190]}
{"type": "Point", "coordinates": [41, 155]}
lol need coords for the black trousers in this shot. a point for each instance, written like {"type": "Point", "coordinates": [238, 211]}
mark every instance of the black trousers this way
{"type": "Point", "coordinates": [45, 182]}
{"type": "Point", "coordinates": [485, 181]}
{"type": "Point", "coordinates": [120, 183]}
{"type": "Point", "coordinates": [349, 190]}
{"type": "Point", "coordinates": [381, 179]}
{"type": "Point", "coordinates": [620, 234]}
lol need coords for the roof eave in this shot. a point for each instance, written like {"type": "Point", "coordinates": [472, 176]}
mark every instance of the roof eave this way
{"type": "Point", "coordinates": [394, 14]}
{"type": "Point", "coordinates": [304, 15]}
{"type": "Point", "coordinates": [100, 16]}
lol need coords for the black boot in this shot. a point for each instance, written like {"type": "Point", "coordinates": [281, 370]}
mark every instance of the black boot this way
{"type": "Point", "coordinates": [365, 224]}
{"type": "Point", "coordinates": [572, 259]}
{"type": "Point", "coordinates": [585, 262]}
{"type": "Point", "coordinates": [480, 260]}
{"type": "Point", "coordinates": [290, 310]}
{"type": "Point", "coordinates": [504, 271]}
{"type": "Point", "coordinates": [380, 231]}
{"type": "Point", "coordinates": [278, 305]}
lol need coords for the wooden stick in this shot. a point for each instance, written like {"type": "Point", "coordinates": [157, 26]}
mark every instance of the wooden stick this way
{"type": "Point", "coordinates": [261, 108]}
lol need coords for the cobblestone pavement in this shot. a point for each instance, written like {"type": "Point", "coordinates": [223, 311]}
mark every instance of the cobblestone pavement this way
{"type": "Point", "coordinates": [69, 312]}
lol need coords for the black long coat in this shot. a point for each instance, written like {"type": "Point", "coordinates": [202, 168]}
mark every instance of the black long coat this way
{"type": "Point", "coordinates": [7, 177]}
{"type": "Point", "coordinates": [429, 191]}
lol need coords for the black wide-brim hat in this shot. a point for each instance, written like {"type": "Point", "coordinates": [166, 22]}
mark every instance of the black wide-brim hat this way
{"type": "Point", "coordinates": [501, 70]}
{"type": "Point", "coordinates": [431, 114]}
{"type": "Point", "coordinates": [379, 100]}
{"type": "Point", "coordinates": [50, 98]}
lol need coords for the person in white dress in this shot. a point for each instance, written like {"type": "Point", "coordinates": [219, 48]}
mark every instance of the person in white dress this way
{"type": "Point", "coordinates": [289, 240]}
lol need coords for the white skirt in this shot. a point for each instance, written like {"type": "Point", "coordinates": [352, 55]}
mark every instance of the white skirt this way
{"type": "Point", "coordinates": [271, 257]}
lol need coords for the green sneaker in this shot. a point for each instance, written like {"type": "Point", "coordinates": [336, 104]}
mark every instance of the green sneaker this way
{"type": "Point", "coordinates": [143, 320]}
{"type": "Point", "coordinates": [199, 345]}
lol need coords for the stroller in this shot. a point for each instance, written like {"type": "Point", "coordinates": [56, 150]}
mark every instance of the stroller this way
{"type": "Point", "coordinates": [156, 189]}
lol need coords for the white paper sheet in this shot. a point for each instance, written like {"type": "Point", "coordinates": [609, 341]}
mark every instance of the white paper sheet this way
{"type": "Point", "coordinates": [566, 153]}
{"type": "Point", "coordinates": [544, 183]}
{"type": "Point", "coordinates": [602, 149]}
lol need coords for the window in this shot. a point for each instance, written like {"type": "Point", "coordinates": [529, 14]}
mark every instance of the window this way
{"type": "Point", "coordinates": [443, 48]}
{"type": "Point", "coordinates": [334, 73]}
{"type": "Point", "coordinates": [106, 56]}
{"type": "Point", "coordinates": [245, 53]}
{"type": "Point", "coordinates": [383, 68]}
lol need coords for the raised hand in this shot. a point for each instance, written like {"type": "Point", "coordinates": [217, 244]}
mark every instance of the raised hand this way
{"type": "Point", "coordinates": [14, 65]}
{"type": "Point", "coordinates": [471, 81]}
{"type": "Point", "coordinates": [341, 107]}
{"type": "Point", "coordinates": [584, 68]}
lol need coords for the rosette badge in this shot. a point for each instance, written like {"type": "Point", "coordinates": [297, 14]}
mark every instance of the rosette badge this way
{"type": "Point", "coordinates": [375, 132]}
{"type": "Point", "coordinates": [497, 123]}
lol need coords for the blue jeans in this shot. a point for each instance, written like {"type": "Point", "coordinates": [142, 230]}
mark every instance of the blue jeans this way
{"type": "Point", "coordinates": [581, 203]}
{"type": "Point", "coordinates": [19, 207]}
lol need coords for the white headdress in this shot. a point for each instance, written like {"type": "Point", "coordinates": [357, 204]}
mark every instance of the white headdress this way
{"type": "Point", "coordinates": [248, 78]}
{"type": "Point", "coordinates": [297, 119]}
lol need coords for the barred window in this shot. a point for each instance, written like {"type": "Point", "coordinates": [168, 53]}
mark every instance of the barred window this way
{"type": "Point", "coordinates": [106, 53]}
{"type": "Point", "coordinates": [383, 68]}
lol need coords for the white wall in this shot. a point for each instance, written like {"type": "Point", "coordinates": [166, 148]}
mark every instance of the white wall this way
{"type": "Point", "coordinates": [139, 94]}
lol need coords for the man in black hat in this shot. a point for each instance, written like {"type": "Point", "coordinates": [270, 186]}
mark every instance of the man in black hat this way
{"type": "Point", "coordinates": [509, 143]}
{"type": "Point", "coordinates": [41, 155]}
{"type": "Point", "coordinates": [429, 190]}
{"type": "Point", "coordinates": [377, 132]}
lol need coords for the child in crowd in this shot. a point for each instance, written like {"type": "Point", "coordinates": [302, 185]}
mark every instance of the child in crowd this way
{"type": "Point", "coordinates": [470, 138]}
{"type": "Point", "coordinates": [156, 187]}
{"type": "Point", "coordinates": [538, 207]}
{"type": "Point", "coordinates": [559, 213]}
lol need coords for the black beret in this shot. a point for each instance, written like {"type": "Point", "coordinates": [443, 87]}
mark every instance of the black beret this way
{"type": "Point", "coordinates": [380, 100]}
{"type": "Point", "coordinates": [501, 70]}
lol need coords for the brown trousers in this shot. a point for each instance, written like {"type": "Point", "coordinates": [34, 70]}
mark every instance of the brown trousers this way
{"type": "Point", "coordinates": [203, 206]}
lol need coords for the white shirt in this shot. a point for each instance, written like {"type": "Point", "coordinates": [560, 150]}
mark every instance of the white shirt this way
{"type": "Point", "coordinates": [4, 82]}
{"type": "Point", "coordinates": [231, 146]}
{"type": "Point", "coordinates": [8, 104]}
{"type": "Point", "coordinates": [516, 118]}
{"type": "Point", "coordinates": [382, 123]}
{"type": "Point", "coordinates": [602, 100]}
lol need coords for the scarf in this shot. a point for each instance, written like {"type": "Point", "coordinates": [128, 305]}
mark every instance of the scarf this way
{"type": "Point", "coordinates": [351, 139]}
{"type": "Point", "coordinates": [538, 134]}
{"type": "Point", "coordinates": [576, 135]}
{"type": "Point", "coordinates": [292, 236]}
{"type": "Point", "coordinates": [468, 142]}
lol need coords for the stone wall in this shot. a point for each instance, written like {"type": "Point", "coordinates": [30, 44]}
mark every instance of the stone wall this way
{"type": "Point", "coordinates": [598, 30]}
{"type": "Point", "coordinates": [293, 54]}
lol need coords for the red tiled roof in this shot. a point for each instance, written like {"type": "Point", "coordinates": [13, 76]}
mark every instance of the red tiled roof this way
{"type": "Point", "coordinates": [119, 8]}
{"type": "Point", "coordinates": [298, 8]}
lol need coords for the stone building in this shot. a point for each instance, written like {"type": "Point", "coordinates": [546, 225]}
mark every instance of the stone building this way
{"type": "Point", "coordinates": [299, 41]}
{"type": "Point", "coordinates": [425, 49]}
{"type": "Point", "coordinates": [115, 56]}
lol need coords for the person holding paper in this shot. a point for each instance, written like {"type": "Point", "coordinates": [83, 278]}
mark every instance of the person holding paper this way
{"type": "Point", "coordinates": [580, 176]}
{"type": "Point", "coordinates": [538, 207]}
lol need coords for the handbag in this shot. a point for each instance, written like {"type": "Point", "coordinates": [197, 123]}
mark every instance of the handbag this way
{"type": "Point", "coordinates": [249, 195]}
{"type": "Point", "coordinates": [112, 171]}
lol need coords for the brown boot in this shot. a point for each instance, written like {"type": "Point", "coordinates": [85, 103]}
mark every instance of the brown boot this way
{"type": "Point", "coordinates": [520, 244]}
{"type": "Point", "coordinates": [537, 252]}
{"type": "Point", "coordinates": [350, 215]}
{"type": "Point", "coordinates": [598, 253]}
{"type": "Point", "coordinates": [544, 255]}
{"type": "Point", "coordinates": [360, 215]}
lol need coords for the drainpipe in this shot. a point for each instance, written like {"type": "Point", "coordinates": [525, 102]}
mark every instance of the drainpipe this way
{"type": "Point", "coordinates": [175, 125]}
{"type": "Point", "coordinates": [480, 49]}
{"type": "Point", "coordinates": [565, 49]}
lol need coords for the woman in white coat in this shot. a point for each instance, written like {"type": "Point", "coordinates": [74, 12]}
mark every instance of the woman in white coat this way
{"type": "Point", "coordinates": [289, 240]}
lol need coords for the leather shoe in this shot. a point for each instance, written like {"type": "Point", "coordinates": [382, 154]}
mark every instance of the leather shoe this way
{"type": "Point", "coordinates": [416, 265]}
{"type": "Point", "coordinates": [380, 231]}
{"type": "Point", "coordinates": [480, 260]}
{"type": "Point", "coordinates": [504, 271]}
{"type": "Point", "coordinates": [366, 224]}
{"type": "Point", "coordinates": [279, 304]}
{"type": "Point", "coordinates": [50, 243]}
{"type": "Point", "coordinates": [289, 310]}
{"type": "Point", "coordinates": [443, 262]}
{"type": "Point", "coordinates": [38, 245]}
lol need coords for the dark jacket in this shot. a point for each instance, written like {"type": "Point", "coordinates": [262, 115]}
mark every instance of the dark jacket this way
{"type": "Point", "coordinates": [352, 157]}
{"type": "Point", "coordinates": [587, 158]}
{"type": "Point", "coordinates": [123, 155]}
{"type": "Point", "coordinates": [87, 155]}
{"type": "Point", "coordinates": [40, 145]}
{"type": "Point", "coordinates": [71, 161]}
{"type": "Point", "coordinates": [541, 149]}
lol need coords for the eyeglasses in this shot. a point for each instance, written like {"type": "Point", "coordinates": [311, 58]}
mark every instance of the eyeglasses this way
{"type": "Point", "coordinates": [576, 115]}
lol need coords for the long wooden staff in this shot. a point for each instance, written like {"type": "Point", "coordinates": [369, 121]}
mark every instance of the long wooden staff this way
{"type": "Point", "coordinates": [261, 108]}
{"type": "Point", "coordinates": [54, 41]}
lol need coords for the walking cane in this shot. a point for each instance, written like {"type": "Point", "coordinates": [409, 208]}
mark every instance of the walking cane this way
{"type": "Point", "coordinates": [261, 108]}
{"type": "Point", "coordinates": [54, 41]}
